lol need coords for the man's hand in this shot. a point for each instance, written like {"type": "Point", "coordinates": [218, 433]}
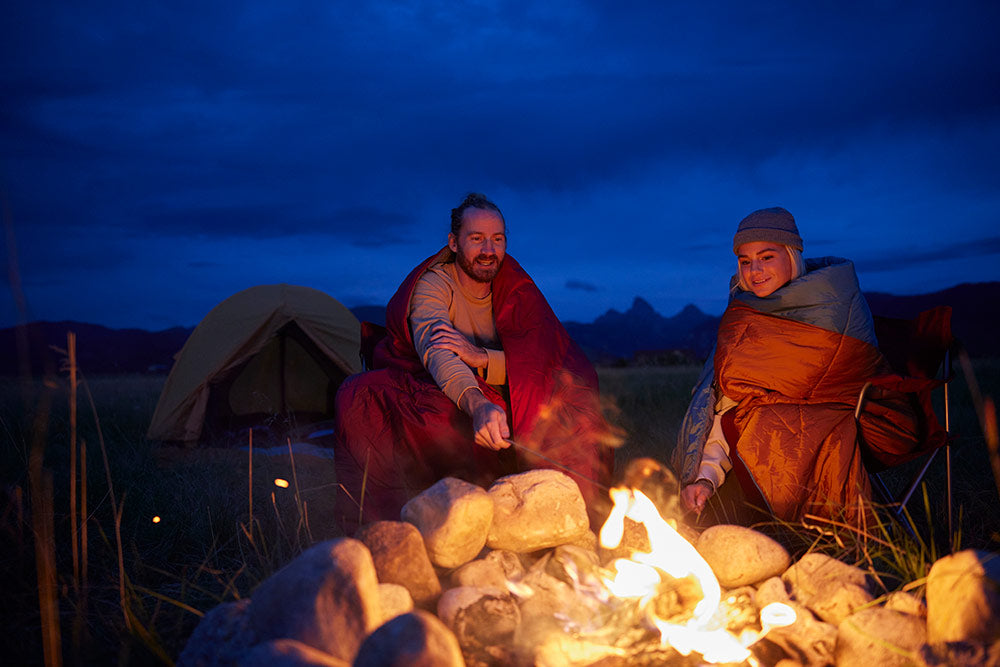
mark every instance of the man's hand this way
{"type": "Point", "coordinates": [448, 338]}
{"type": "Point", "coordinates": [694, 496]}
{"type": "Point", "coordinates": [489, 421]}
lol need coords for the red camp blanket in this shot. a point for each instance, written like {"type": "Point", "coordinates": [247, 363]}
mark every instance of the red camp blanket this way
{"type": "Point", "coordinates": [397, 433]}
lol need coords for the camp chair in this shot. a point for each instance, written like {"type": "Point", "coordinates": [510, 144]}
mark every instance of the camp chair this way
{"type": "Point", "coordinates": [919, 351]}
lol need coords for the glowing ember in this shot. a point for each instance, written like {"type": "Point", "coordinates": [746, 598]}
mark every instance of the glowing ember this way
{"type": "Point", "coordinates": [282, 483]}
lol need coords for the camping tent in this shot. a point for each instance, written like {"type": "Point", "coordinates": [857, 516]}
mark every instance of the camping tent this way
{"type": "Point", "coordinates": [269, 353]}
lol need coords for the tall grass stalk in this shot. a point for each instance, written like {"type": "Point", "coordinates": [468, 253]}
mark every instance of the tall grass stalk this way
{"type": "Point", "coordinates": [116, 509]}
{"type": "Point", "coordinates": [987, 415]}
{"type": "Point", "coordinates": [74, 537]}
{"type": "Point", "coordinates": [299, 503]}
{"type": "Point", "coordinates": [250, 479]}
{"type": "Point", "coordinates": [992, 438]}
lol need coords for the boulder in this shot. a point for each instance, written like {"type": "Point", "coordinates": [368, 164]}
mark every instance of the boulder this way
{"type": "Point", "coordinates": [394, 600]}
{"type": "Point", "coordinates": [908, 603]}
{"type": "Point", "coordinates": [831, 589]}
{"type": "Point", "coordinates": [771, 590]}
{"type": "Point", "coordinates": [879, 636]}
{"type": "Point", "coordinates": [808, 640]}
{"type": "Point", "coordinates": [482, 619]}
{"type": "Point", "coordinates": [327, 598]}
{"type": "Point", "coordinates": [480, 573]}
{"type": "Point", "coordinates": [289, 653]}
{"type": "Point", "coordinates": [963, 597]}
{"type": "Point", "coordinates": [454, 518]}
{"type": "Point", "coordinates": [741, 556]}
{"type": "Point", "coordinates": [398, 551]}
{"type": "Point", "coordinates": [221, 637]}
{"type": "Point", "coordinates": [417, 639]}
{"type": "Point", "coordinates": [536, 510]}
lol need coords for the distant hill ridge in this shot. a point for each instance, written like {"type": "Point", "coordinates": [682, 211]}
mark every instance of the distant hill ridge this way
{"type": "Point", "coordinates": [612, 336]}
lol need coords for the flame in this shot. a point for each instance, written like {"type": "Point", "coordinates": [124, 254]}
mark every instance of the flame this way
{"type": "Point", "coordinates": [640, 578]}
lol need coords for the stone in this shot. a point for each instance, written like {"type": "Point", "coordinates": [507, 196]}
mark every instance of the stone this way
{"type": "Point", "coordinates": [879, 636]}
{"type": "Point", "coordinates": [634, 539]}
{"type": "Point", "coordinates": [289, 653]}
{"type": "Point", "coordinates": [394, 600]}
{"type": "Point", "coordinates": [454, 518]}
{"type": "Point", "coordinates": [326, 598]}
{"type": "Point", "coordinates": [741, 556]}
{"type": "Point", "coordinates": [840, 602]}
{"type": "Point", "coordinates": [907, 603]}
{"type": "Point", "coordinates": [508, 561]}
{"type": "Point", "coordinates": [830, 588]}
{"type": "Point", "coordinates": [771, 590]}
{"type": "Point", "coordinates": [483, 620]}
{"type": "Point", "coordinates": [572, 564]}
{"type": "Point", "coordinates": [481, 573]}
{"type": "Point", "coordinates": [561, 650]}
{"type": "Point", "coordinates": [398, 551]}
{"type": "Point", "coordinates": [220, 638]}
{"type": "Point", "coordinates": [960, 654]}
{"type": "Point", "coordinates": [586, 541]}
{"type": "Point", "coordinates": [963, 598]}
{"type": "Point", "coordinates": [416, 639]}
{"type": "Point", "coordinates": [808, 640]}
{"type": "Point", "coordinates": [657, 482]}
{"type": "Point", "coordinates": [550, 604]}
{"type": "Point", "coordinates": [535, 510]}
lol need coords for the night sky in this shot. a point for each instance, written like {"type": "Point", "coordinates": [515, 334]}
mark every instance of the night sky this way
{"type": "Point", "coordinates": [157, 157]}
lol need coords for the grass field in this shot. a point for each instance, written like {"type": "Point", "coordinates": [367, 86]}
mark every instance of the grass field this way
{"type": "Point", "coordinates": [134, 589]}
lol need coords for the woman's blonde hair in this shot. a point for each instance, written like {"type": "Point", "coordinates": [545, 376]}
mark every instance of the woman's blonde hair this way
{"type": "Point", "coordinates": [798, 266]}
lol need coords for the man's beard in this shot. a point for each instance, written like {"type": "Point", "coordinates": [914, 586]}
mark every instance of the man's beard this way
{"type": "Point", "coordinates": [481, 274]}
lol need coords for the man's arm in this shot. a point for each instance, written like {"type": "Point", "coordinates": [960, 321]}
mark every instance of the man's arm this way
{"type": "Point", "coordinates": [447, 355]}
{"type": "Point", "coordinates": [429, 314]}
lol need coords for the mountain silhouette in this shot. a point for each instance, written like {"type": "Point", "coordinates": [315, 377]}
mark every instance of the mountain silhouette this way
{"type": "Point", "coordinates": [617, 335]}
{"type": "Point", "coordinates": [613, 338]}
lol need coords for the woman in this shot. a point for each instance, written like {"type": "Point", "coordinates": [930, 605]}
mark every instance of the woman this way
{"type": "Point", "coordinates": [774, 407]}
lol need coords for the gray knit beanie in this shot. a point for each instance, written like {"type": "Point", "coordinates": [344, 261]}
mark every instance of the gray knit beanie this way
{"type": "Point", "coordinates": [768, 224]}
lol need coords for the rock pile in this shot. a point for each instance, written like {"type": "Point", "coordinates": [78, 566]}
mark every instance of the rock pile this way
{"type": "Point", "coordinates": [476, 577]}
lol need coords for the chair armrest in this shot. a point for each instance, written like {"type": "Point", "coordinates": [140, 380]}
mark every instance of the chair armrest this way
{"type": "Point", "coordinates": [862, 395]}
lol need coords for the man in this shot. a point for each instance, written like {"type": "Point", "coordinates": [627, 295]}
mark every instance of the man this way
{"type": "Point", "coordinates": [476, 378]}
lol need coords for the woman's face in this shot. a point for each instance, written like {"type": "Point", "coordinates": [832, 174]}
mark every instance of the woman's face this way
{"type": "Point", "coordinates": [764, 266]}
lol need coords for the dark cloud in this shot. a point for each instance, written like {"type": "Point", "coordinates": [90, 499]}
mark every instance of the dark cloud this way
{"type": "Point", "coordinates": [902, 258]}
{"type": "Point", "coordinates": [361, 226]}
{"type": "Point", "coordinates": [581, 285]}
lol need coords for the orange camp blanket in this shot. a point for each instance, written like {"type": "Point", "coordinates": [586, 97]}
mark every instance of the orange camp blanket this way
{"type": "Point", "coordinates": [796, 386]}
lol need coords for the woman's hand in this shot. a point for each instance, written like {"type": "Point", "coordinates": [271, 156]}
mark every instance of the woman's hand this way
{"type": "Point", "coordinates": [695, 495]}
{"type": "Point", "coordinates": [448, 338]}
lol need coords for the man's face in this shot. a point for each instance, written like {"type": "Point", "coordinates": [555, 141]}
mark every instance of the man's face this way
{"type": "Point", "coordinates": [481, 244]}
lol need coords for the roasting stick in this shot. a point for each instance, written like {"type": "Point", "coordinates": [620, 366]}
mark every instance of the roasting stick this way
{"type": "Point", "coordinates": [531, 451]}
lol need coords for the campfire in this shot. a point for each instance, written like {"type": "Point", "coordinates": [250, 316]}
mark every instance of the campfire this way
{"type": "Point", "coordinates": [656, 602]}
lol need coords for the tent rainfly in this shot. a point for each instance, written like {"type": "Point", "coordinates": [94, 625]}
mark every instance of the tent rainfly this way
{"type": "Point", "coordinates": [266, 352]}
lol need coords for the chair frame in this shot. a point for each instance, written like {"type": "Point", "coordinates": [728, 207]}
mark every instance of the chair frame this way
{"type": "Point", "coordinates": [899, 506]}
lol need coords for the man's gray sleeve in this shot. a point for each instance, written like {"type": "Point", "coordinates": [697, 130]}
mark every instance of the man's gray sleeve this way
{"type": "Point", "coordinates": [429, 308]}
